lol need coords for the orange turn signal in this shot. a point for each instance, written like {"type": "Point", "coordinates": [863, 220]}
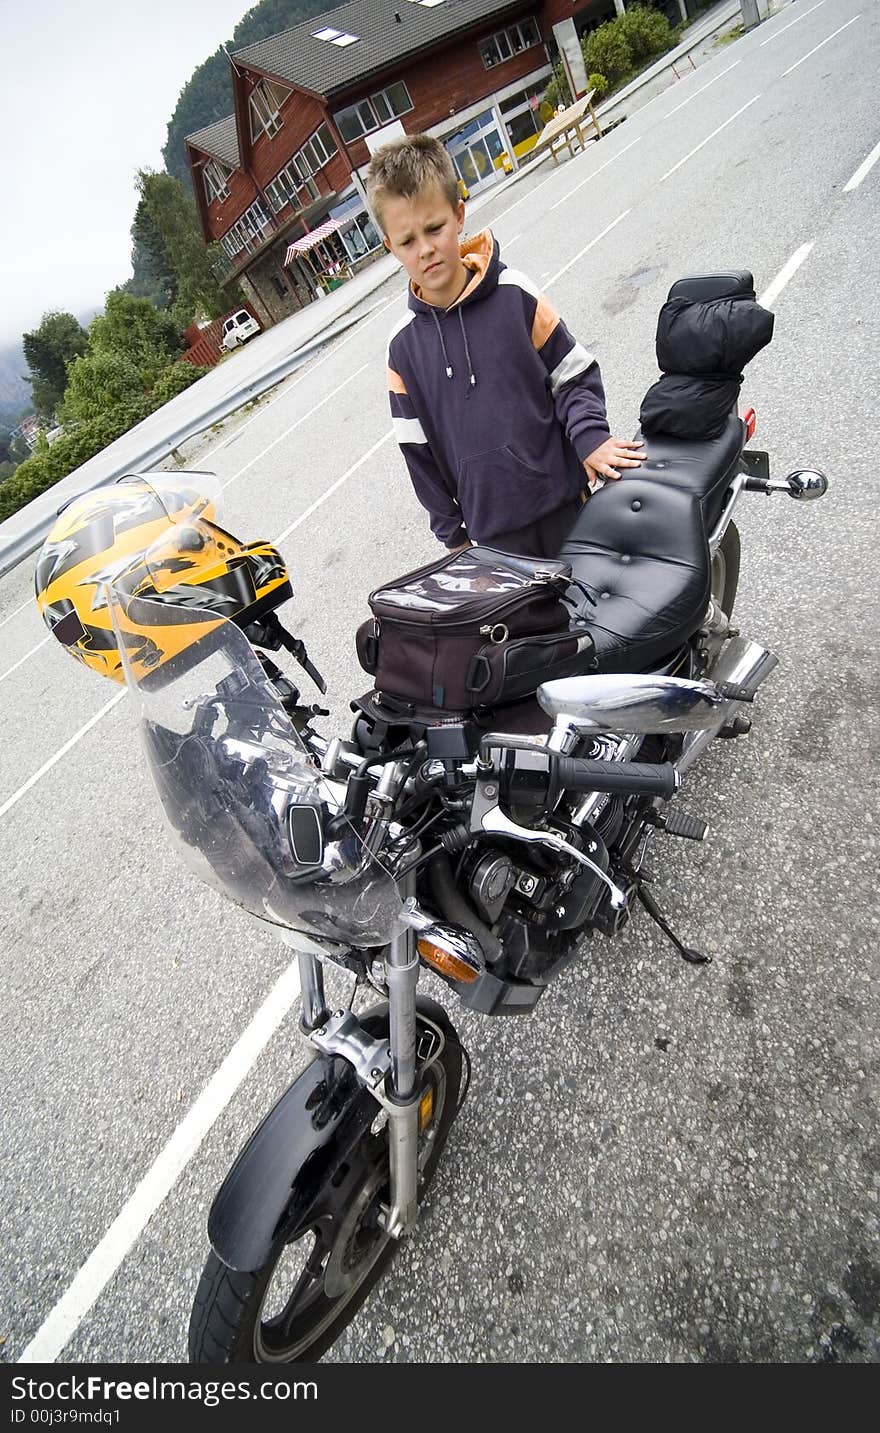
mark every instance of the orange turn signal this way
{"type": "Point", "coordinates": [454, 967]}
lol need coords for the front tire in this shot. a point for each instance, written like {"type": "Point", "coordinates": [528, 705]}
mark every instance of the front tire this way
{"type": "Point", "coordinates": [294, 1307]}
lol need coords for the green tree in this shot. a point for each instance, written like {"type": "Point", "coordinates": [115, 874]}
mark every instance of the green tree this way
{"type": "Point", "coordinates": [153, 275]}
{"type": "Point", "coordinates": [174, 215]}
{"type": "Point", "coordinates": [19, 449]}
{"type": "Point", "coordinates": [557, 91]}
{"type": "Point", "coordinates": [647, 32]}
{"type": "Point", "coordinates": [136, 330]}
{"type": "Point", "coordinates": [48, 350]}
{"type": "Point", "coordinates": [607, 51]}
{"type": "Point", "coordinates": [98, 382]}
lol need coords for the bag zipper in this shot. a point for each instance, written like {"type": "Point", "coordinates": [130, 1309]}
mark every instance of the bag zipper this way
{"type": "Point", "coordinates": [515, 598]}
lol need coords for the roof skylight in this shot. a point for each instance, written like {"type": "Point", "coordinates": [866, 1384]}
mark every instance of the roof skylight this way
{"type": "Point", "coordinates": [339, 37]}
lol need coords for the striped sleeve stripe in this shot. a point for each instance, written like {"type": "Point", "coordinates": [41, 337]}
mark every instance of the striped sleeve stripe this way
{"type": "Point", "coordinates": [401, 324]}
{"type": "Point", "coordinates": [545, 318]}
{"type": "Point", "coordinates": [519, 281]}
{"type": "Point", "coordinates": [575, 362]}
{"type": "Point", "coordinates": [408, 430]}
{"type": "Point", "coordinates": [395, 382]}
{"type": "Point", "coordinates": [544, 323]}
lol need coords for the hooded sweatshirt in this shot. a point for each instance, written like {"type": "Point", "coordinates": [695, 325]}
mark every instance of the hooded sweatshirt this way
{"type": "Point", "coordinates": [495, 404]}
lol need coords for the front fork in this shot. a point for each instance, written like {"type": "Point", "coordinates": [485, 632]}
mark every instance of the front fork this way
{"type": "Point", "coordinates": [386, 1068]}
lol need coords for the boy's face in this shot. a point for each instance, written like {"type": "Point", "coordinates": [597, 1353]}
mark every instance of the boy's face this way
{"type": "Point", "coordinates": [423, 234]}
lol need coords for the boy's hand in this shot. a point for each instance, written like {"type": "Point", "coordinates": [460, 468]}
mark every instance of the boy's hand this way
{"type": "Point", "coordinates": [612, 455]}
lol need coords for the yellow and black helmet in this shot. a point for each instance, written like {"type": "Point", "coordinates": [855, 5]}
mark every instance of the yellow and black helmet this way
{"type": "Point", "coordinates": [152, 536]}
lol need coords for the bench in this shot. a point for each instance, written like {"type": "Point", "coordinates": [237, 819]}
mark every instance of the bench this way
{"type": "Point", "coordinates": [561, 131]}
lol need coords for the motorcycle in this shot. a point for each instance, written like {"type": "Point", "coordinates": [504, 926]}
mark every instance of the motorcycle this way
{"type": "Point", "coordinates": [483, 848]}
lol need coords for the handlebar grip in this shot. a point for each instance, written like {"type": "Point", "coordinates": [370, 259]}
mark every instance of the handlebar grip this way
{"type": "Point", "coordinates": [618, 778]}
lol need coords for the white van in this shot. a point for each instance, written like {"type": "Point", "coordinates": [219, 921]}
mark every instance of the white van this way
{"type": "Point", "coordinates": [238, 328]}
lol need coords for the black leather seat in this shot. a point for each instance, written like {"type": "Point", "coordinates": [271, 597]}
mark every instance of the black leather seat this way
{"type": "Point", "coordinates": [705, 469]}
{"type": "Point", "coordinates": [641, 547]}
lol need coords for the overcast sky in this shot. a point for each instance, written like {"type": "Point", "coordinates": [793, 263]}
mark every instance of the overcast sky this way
{"type": "Point", "coordinates": [88, 88]}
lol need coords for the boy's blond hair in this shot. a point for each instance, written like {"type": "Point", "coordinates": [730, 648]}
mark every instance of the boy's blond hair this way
{"type": "Point", "coordinates": [406, 167]}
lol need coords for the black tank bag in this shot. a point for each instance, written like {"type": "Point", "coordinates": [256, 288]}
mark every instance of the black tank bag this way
{"type": "Point", "coordinates": [478, 628]}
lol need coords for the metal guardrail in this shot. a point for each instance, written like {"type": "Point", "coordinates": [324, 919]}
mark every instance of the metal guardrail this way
{"type": "Point", "coordinates": [15, 549]}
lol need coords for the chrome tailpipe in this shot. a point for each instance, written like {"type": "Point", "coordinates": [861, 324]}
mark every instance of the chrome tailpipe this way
{"type": "Point", "coordinates": [741, 664]}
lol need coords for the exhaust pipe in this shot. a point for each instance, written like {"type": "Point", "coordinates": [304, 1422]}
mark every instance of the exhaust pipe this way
{"type": "Point", "coordinates": [742, 664]}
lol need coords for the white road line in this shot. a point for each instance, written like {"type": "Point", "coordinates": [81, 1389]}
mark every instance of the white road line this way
{"type": "Point", "coordinates": [704, 142]}
{"type": "Point", "coordinates": [136, 1213]}
{"type": "Point", "coordinates": [356, 331]}
{"type": "Point", "coordinates": [515, 205]}
{"type": "Point", "coordinates": [508, 242]}
{"type": "Point", "coordinates": [596, 172]}
{"type": "Point", "coordinates": [777, 33]}
{"type": "Point", "coordinates": [338, 484]}
{"type": "Point", "coordinates": [827, 39]}
{"type": "Point", "coordinates": [62, 751]}
{"type": "Point", "coordinates": [16, 611]}
{"type": "Point", "coordinates": [771, 294]}
{"type": "Point", "coordinates": [565, 268]}
{"type": "Point", "coordinates": [863, 169]}
{"type": "Point", "coordinates": [701, 89]}
{"type": "Point", "coordinates": [286, 434]}
{"type": "Point", "coordinates": [16, 665]}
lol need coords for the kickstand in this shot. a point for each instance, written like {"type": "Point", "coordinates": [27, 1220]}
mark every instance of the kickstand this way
{"type": "Point", "coordinates": [687, 952]}
{"type": "Point", "coordinates": [639, 879]}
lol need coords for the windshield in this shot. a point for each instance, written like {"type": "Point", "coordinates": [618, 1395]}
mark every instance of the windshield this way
{"type": "Point", "coordinates": [246, 806]}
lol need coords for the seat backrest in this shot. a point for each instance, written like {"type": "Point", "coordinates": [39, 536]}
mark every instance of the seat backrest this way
{"type": "Point", "coordinates": [726, 284]}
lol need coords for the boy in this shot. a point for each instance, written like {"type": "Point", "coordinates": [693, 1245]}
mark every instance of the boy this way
{"type": "Point", "coordinates": [499, 412]}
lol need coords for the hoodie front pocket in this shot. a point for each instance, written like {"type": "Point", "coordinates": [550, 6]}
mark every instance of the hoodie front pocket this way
{"type": "Point", "coordinates": [497, 491]}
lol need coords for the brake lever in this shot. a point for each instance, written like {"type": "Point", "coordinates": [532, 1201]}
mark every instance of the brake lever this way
{"type": "Point", "coordinates": [488, 818]}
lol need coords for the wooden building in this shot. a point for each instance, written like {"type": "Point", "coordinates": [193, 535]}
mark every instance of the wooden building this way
{"type": "Point", "coordinates": [279, 183]}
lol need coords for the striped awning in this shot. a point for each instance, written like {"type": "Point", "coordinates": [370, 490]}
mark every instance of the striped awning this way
{"type": "Point", "coordinates": [314, 236]}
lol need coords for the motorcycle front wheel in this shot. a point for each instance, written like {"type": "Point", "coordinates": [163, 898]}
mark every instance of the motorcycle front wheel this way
{"type": "Point", "coordinates": [294, 1307]}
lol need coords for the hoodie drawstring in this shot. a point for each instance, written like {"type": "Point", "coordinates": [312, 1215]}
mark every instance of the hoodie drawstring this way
{"type": "Point", "coordinates": [472, 377]}
{"type": "Point", "coordinates": [442, 344]}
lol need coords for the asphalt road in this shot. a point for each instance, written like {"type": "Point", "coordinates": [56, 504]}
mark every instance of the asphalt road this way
{"type": "Point", "coordinates": [664, 1163]}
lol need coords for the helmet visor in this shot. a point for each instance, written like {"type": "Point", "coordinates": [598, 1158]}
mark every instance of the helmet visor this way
{"type": "Point", "coordinates": [180, 495]}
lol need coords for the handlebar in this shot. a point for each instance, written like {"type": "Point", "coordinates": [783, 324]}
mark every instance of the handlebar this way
{"type": "Point", "coordinates": [632, 778]}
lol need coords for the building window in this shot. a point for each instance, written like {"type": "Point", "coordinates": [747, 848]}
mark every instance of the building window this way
{"type": "Point", "coordinates": [373, 113]}
{"type": "Point", "coordinates": [356, 229]}
{"type": "Point", "coordinates": [295, 184]}
{"type": "Point", "coordinates": [316, 151]}
{"type": "Point", "coordinates": [291, 187]}
{"type": "Point", "coordinates": [523, 117]}
{"type": "Point", "coordinates": [247, 232]}
{"type": "Point", "coordinates": [266, 100]}
{"type": "Point", "coordinates": [216, 180]}
{"type": "Point", "coordinates": [505, 43]}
